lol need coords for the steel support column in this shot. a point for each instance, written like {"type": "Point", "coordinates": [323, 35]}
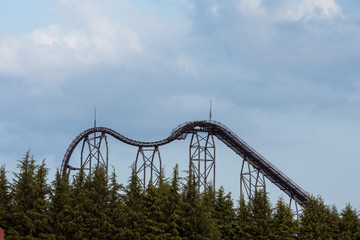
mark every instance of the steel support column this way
{"type": "Point", "coordinates": [148, 162]}
{"type": "Point", "coordinates": [295, 207]}
{"type": "Point", "coordinates": [202, 158]}
{"type": "Point", "coordinates": [92, 155]}
{"type": "Point", "coordinates": [251, 179]}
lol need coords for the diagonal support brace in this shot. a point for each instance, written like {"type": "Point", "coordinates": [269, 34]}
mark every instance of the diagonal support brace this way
{"type": "Point", "coordinates": [148, 165]}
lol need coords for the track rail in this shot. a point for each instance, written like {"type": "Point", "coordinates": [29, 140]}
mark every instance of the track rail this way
{"type": "Point", "coordinates": [224, 134]}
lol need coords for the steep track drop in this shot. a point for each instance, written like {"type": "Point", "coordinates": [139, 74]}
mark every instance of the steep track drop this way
{"type": "Point", "coordinates": [224, 134]}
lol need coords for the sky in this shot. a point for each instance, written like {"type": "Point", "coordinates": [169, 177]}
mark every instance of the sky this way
{"type": "Point", "coordinates": [283, 75]}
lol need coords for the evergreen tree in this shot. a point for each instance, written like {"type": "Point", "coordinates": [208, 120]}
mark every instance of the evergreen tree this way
{"type": "Point", "coordinates": [334, 222]}
{"type": "Point", "coordinates": [174, 209]}
{"type": "Point", "coordinates": [81, 205]}
{"type": "Point", "coordinates": [133, 218]}
{"type": "Point", "coordinates": [284, 225]}
{"type": "Point", "coordinates": [243, 220]}
{"type": "Point", "coordinates": [61, 209]}
{"type": "Point", "coordinates": [114, 191]}
{"type": "Point", "coordinates": [92, 207]}
{"type": "Point", "coordinates": [317, 221]}
{"type": "Point", "coordinates": [191, 209]}
{"type": "Point", "coordinates": [4, 199]}
{"type": "Point", "coordinates": [40, 211]}
{"type": "Point", "coordinates": [349, 224]}
{"type": "Point", "coordinates": [210, 223]}
{"type": "Point", "coordinates": [99, 194]}
{"type": "Point", "coordinates": [162, 194]}
{"type": "Point", "coordinates": [155, 224]}
{"type": "Point", "coordinates": [115, 208]}
{"type": "Point", "coordinates": [197, 220]}
{"type": "Point", "coordinates": [225, 214]}
{"type": "Point", "coordinates": [24, 197]}
{"type": "Point", "coordinates": [260, 215]}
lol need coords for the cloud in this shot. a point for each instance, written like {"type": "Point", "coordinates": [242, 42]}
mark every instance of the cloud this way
{"type": "Point", "coordinates": [91, 35]}
{"type": "Point", "coordinates": [290, 10]}
{"type": "Point", "coordinates": [251, 8]}
{"type": "Point", "coordinates": [54, 48]}
{"type": "Point", "coordinates": [54, 52]}
{"type": "Point", "coordinates": [53, 36]}
{"type": "Point", "coordinates": [131, 37]}
{"type": "Point", "coordinates": [9, 56]}
{"type": "Point", "coordinates": [295, 10]}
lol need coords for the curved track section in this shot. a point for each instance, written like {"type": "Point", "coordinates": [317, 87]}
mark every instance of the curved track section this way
{"type": "Point", "coordinates": [224, 134]}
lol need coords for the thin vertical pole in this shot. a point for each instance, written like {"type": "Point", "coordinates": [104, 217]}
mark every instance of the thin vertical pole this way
{"type": "Point", "coordinates": [212, 137]}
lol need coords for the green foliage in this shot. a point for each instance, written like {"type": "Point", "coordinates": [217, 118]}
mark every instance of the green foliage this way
{"type": "Point", "coordinates": [97, 207]}
{"type": "Point", "coordinates": [42, 219]}
{"type": "Point", "coordinates": [61, 208]}
{"type": "Point", "coordinates": [115, 207]}
{"type": "Point", "coordinates": [225, 214]}
{"type": "Point", "coordinates": [208, 207]}
{"type": "Point", "coordinates": [191, 213]}
{"type": "Point", "coordinates": [243, 220]}
{"type": "Point", "coordinates": [80, 205]}
{"type": "Point", "coordinates": [349, 224]}
{"type": "Point", "coordinates": [284, 226]}
{"type": "Point", "coordinates": [27, 200]}
{"type": "Point", "coordinates": [99, 195]}
{"type": "Point", "coordinates": [154, 207]}
{"type": "Point", "coordinates": [174, 210]}
{"type": "Point", "coordinates": [260, 210]}
{"type": "Point", "coordinates": [133, 215]}
{"type": "Point", "coordinates": [197, 220]}
{"type": "Point", "coordinates": [334, 222]}
{"type": "Point", "coordinates": [4, 198]}
{"type": "Point", "coordinates": [318, 221]}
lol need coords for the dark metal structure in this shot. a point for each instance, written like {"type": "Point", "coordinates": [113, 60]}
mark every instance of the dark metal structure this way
{"type": "Point", "coordinates": [255, 168]}
{"type": "Point", "coordinates": [146, 165]}
{"type": "Point", "coordinates": [202, 158]}
{"type": "Point", "coordinates": [251, 179]}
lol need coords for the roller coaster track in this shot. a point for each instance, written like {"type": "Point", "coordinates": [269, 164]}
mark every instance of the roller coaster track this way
{"type": "Point", "coordinates": [224, 134]}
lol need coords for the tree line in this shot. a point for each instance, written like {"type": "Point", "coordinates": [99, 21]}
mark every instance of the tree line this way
{"type": "Point", "coordinates": [98, 207]}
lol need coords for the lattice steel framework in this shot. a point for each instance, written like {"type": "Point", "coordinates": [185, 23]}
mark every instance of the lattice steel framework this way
{"type": "Point", "coordinates": [251, 179]}
{"type": "Point", "coordinates": [202, 158]}
{"type": "Point", "coordinates": [92, 155]}
{"type": "Point", "coordinates": [148, 165]}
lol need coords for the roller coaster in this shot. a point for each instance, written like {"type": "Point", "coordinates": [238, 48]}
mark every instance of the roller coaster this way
{"type": "Point", "coordinates": [255, 168]}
